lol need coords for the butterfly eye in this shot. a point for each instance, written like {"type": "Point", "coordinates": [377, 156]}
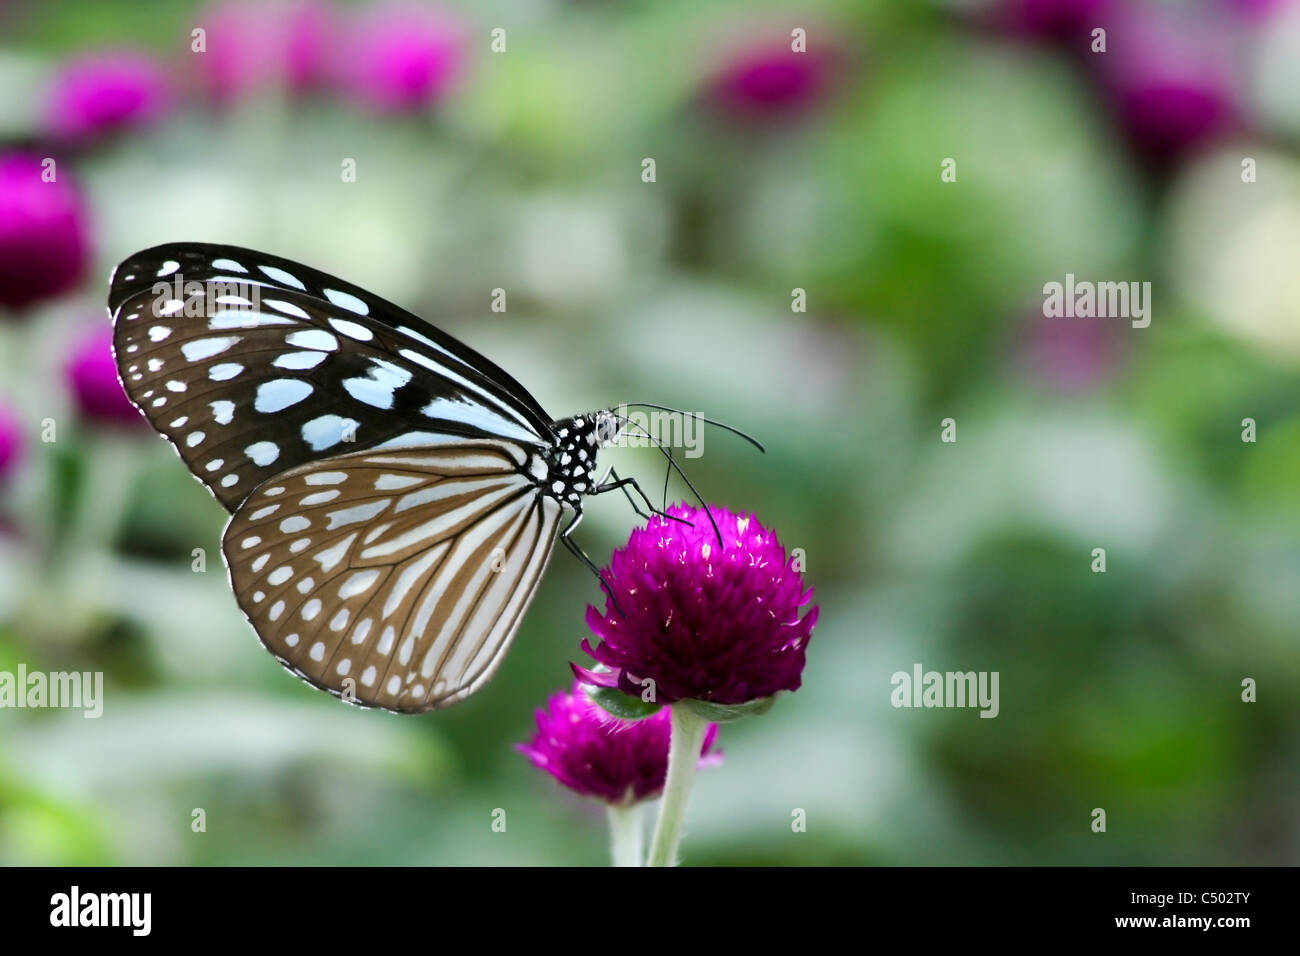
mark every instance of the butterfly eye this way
{"type": "Point", "coordinates": [607, 429]}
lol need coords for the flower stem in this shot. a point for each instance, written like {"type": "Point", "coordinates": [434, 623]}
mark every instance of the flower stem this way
{"type": "Point", "coordinates": [683, 759]}
{"type": "Point", "coordinates": [626, 844]}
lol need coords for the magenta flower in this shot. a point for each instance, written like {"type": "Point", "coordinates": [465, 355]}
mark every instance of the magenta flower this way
{"type": "Point", "coordinates": [403, 57]}
{"type": "Point", "coordinates": [770, 80]}
{"type": "Point", "coordinates": [255, 45]}
{"type": "Point", "coordinates": [1255, 11]}
{"type": "Point", "coordinates": [1069, 354]}
{"type": "Point", "coordinates": [92, 374]}
{"type": "Point", "coordinates": [308, 42]}
{"type": "Point", "coordinates": [105, 92]}
{"type": "Point", "coordinates": [709, 622]}
{"type": "Point", "coordinates": [1070, 21]}
{"type": "Point", "coordinates": [1172, 81]}
{"type": "Point", "coordinates": [596, 755]}
{"type": "Point", "coordinates": [11, 441]}
{"type": "Point", "coordinates": [44, 243]}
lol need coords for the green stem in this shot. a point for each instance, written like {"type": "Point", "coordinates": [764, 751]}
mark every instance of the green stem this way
{"type": "Point", "coordinates": [626, 844]}
{"type": "Point", "coordinates": [683, 760]}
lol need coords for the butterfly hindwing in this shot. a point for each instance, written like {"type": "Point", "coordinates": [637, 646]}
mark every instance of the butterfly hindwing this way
{"type": "Point", "coordinates": [251, 364]}
{"type": "Point", "coordinates": [394, 578]}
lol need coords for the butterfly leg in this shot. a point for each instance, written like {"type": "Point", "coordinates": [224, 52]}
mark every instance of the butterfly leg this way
{"type": "Point", "coordinates": [622, 484]}
{"type": "Point", "coordinates": [577, 552]}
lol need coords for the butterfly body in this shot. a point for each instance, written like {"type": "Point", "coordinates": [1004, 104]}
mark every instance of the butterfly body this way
{"type": "Point", "coordinates": [571, 463]}
{"type": "Point", "coordinates": [394, 496]}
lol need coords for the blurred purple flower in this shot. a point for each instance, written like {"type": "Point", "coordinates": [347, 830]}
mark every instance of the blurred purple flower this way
{"type": "Point", "coordinates": [769, 80]}
{"type": "Point", "coordinates": [1255, 11]}
{"type": "Point", "coordinates": [703, 621]}
{"type": "Point", "coordinates": [309, 40]}
{"type": "Point", "coordinates": [597, 755]}
{"type": "Point", "coordinates": [1069, 354]}
{"type": "Point", "coordinates": [1069, 21]}
{"type": "Point", "coordinates": [104, 92]}
{"type": "Point", "coordinates": [44, 238]}
{"type": "Point", "coordinates": [92, 374]}
{"type": "Point", "coordinates": [1172, 80]}
{"type": "Point", "coordinates": [11, 441]}
{"type": "Point", "coordinates": [254, 45]}
{"type": "Point", "coordinates": [403, 57]}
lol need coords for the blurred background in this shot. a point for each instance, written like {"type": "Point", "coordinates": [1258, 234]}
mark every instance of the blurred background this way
{"type": "Point", "coordinates": [775, 171]}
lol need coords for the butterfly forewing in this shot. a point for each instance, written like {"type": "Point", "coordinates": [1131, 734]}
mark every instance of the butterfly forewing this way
{"type": "Point", "coordinates": [251, 365]}
{"type": "Point", "coordinates": [394, 578]}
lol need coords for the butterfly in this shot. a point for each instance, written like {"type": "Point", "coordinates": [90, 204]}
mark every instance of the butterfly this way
{"type": "Point", "coordinates": [394, 495]}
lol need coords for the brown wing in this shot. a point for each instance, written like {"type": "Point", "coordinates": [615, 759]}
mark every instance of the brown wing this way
{"type": "Point", "coordinates": [397, 578]}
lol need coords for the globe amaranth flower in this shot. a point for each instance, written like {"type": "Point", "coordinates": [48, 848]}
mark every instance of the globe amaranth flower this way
{"type": "Point", "coordinates": [11, 441]}
{"type": "Point", "coordinates": [1172, 82]}
{"type": "Point", "coordinates": [770, 80]}
{"type": "Point", "coordinates": [251, 45]}
{"type": "Point", "coordinates": [598, 755]}
{"type": "Point", "coordinates": [105, 92]}
{"type": "Point", "coordinates": [403, 57]}
{"type": "Point", "coordinates": [704, 621]}
{"type": "Point", "coordinates": [44, 239]}
{"type": "Point", "coordinates": [1070, 21]}
{"type": "Point", "coordinates": [92, 375]}
{"type": "Point", "coordinates": [1066, 354]}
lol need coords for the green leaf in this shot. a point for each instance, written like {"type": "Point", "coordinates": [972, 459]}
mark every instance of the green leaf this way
{"type": "Point", "coordinates": [623, 706]}
{"type": "Point", "coordinates": [726, 713]}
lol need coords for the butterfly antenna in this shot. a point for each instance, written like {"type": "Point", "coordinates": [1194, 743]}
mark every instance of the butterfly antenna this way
{"type": "Point", "coordinates": [668, 473]}
{"type": "Point", "coordinates": [676, 467]}
{"type": "Point", "coordinates": [708, 421]}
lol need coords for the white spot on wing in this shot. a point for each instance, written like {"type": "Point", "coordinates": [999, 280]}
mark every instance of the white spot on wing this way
{"type": "Point", "coordinates": [288, 308]}
{"type": "Point", "coordinates": [200, 349]}
{"type": "Point", "coordinates": [299, 361]}
{"type": "Point", "coordinates": [319, 497]}
{"type": "Point", "coordinates": [263, 452]}
{"type": "Point", "coordinates": [352, 330]}
{"type": "Point", "coordinates": [359, 583]}
{"type": "Point", "coordinates": [327, 430]}
{"type": "Point", "coordinates": [279, 275]}
{"type": "Point", "coordinates": [347, 301]}
{"type": "Point", "coordinates": [224, 371]}
{"type": "Point", "coordinates": [362, 512]}
{"type": "Point", "coordinates": [394, 482]}
{"type": "Point", "coordinates": [223, 411]}
{"type": "Point", "coordinates": [325, 478]}
{"type": "Point", "coordinates": [280, 393]}
{"type": "Point", "coordinates": [313, 339]}
{"type": "Point", "coordinates": [329, 558]}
